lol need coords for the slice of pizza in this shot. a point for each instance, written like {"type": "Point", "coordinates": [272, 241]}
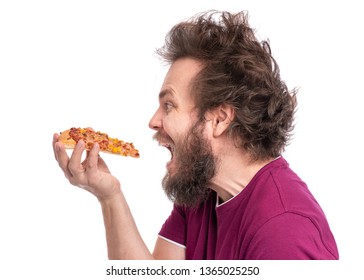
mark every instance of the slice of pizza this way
{"type": "Point", "coordinates": [70, 137]}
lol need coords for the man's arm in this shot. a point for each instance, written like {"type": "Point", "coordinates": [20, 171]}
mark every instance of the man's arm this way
{"type": "Point", "coordinates": [123, 238]}
{"type": "Point", "coordinates": [165, 250]}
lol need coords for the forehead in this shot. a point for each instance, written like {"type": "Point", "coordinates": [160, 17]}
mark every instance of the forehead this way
{"type": "Point", "coordinates": [178, 79]}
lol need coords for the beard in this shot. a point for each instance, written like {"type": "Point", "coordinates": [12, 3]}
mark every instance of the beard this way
{"type": "Point", "coordinates": [195, 167]}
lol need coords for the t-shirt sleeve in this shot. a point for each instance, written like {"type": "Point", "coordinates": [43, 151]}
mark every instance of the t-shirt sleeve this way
{"type": "Point", "coordinates": [174, 228]}
{"type": "Point", "coordinates": [289, 236]}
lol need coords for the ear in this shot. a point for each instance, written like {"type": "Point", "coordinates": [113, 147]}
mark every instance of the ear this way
{"type": "Point", "coordinates": [221, 118]}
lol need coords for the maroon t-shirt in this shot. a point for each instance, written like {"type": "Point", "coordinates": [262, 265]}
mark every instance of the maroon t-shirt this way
{"type": "Point", "coordinates": [274, 217]}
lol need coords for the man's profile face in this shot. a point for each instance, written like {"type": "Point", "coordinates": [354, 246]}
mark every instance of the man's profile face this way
{"type": "Point", "coordinates": [192, 163]}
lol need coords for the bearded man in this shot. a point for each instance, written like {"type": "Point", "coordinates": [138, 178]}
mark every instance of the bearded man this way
{"type": "Point", "coordinates": [226, 116]}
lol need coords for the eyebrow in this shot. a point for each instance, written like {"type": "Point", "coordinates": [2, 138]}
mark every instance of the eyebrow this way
{"type": "Point", "coordinates": [166, 92]}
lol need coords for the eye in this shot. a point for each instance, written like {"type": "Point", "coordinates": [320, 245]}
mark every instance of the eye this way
{"type": "Point", "coordinates": [168, 106]}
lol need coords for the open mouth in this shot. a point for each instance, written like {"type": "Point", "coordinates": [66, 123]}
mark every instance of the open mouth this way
{"type": "Point", "coordinates": [165, 141]}
{"type": "Point", "coordinates": [170, 147]}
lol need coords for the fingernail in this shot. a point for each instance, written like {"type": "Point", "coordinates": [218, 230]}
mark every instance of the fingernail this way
{"type": "Point", "coordinates": [79, 144]}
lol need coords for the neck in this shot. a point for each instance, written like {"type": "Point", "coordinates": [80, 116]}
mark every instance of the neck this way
{"type": "Point", "coordinates": [234, 173]}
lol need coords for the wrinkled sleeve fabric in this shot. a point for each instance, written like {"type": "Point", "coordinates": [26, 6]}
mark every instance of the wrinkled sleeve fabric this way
{"type": "Point", "coordinates": [289, 236]}
{"type": "Point", "coordinates": [174, 228]}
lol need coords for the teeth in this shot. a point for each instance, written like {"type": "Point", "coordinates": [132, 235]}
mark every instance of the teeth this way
{"type": "Point", "coordinates": [169, 147]}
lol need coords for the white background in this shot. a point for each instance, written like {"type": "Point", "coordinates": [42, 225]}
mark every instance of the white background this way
{"type": "Point", "coordinates": [92, 63]}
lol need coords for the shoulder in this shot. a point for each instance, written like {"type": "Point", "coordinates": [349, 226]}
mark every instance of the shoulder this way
{"type": "Point", "coordinates": [283, 190]}
{"type": "Point", "coordinates": [286, 219]}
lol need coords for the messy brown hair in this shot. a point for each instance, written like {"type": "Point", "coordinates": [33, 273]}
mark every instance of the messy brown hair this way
{"type": "Point", "coordinates": [238, 70]}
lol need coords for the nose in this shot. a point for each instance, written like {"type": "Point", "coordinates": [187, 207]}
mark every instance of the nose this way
{"type": "Point", "coordinates": [155, 122]}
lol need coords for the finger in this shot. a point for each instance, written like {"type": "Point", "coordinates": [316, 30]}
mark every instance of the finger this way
{"type": "Point", "coordinates": [93, 158]}
{"type": "Point", "coordinates": [55, 140]}
{"type": "Point", "coordinates": [62, 158]}
{"type": "Point", "coordinates": [74, 164]}
{"type": "Point", "coordinates": [102, 165]}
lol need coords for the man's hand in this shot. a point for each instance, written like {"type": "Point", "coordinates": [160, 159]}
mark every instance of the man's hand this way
{"type": "Point", "coordinates": [92, 174]}
{"type": "Point", "coordinates": [122, 235]}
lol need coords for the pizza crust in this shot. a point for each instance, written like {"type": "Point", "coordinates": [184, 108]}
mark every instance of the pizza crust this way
{"type": "Point", "coordinates": [66, 140]}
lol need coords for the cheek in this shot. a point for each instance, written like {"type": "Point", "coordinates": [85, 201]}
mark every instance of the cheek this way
{"type": "Point", "coordinates": [176, 126]}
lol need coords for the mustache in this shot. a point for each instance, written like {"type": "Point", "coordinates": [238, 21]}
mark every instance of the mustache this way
{"type": "Point", "coordinates": [162, 137]}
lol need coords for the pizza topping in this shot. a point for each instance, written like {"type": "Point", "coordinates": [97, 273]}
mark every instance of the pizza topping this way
{"type": "Point", "coordinates": [107, 144]}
